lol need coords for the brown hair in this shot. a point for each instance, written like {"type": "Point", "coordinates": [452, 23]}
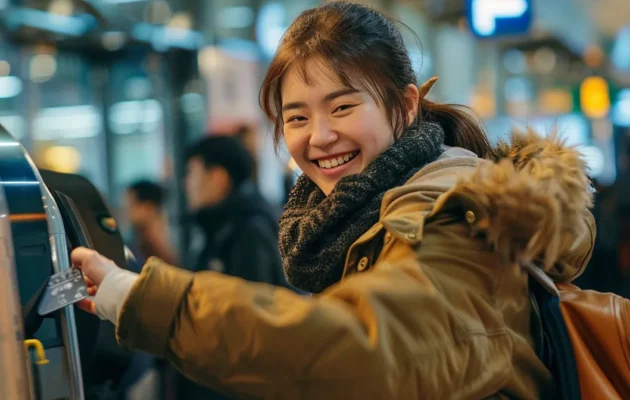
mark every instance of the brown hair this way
{"type": "Point", "coordinates": [366, 50]}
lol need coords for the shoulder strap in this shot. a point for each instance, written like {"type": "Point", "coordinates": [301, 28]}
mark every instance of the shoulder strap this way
{"type": "Point", "coordinates": [541, 277]}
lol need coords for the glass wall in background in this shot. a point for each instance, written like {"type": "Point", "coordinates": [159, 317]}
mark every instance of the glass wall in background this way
{"type": "Point", "coordinates": [65, 113]}
{"type": "Point", "coordinates": [135, 117]}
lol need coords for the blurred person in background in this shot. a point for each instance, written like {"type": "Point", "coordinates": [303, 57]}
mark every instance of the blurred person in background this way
{"type": "Point", "coordinates": [144, 202]}
{"type": "Point", "coordinates": [409, 228]}
{"type": "Point", "coordinates": [238, 226]}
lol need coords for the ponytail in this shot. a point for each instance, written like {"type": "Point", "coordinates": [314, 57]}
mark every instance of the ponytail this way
{"type": "Point", "coordinates": [461, 128]}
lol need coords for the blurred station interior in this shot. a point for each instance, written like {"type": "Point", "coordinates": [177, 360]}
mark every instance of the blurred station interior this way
{"type": "Point", "coordinates": [114, 90]}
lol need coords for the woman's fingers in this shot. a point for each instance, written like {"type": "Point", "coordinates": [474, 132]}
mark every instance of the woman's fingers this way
{"type": "Point", "coordinates": [93, 265]}
{"type": "Point", "coordinates": [87, 305]}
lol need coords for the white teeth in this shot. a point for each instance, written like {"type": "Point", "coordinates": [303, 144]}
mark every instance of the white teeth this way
{"type": "Point", "coordinates": [335, 162]}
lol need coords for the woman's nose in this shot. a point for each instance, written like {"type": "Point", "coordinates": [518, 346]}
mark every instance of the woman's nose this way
{"type": "Point", "coordinates": [322, 135]}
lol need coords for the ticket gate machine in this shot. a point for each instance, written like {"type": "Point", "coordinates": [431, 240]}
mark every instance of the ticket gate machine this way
{"type": "Point", "coordinates": [40, 223]}
{"type": "Point", "coordinates": [15, 382]}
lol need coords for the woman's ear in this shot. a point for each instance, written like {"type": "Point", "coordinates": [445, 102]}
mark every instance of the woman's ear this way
{"type": "Point", "coordinates": [412, 99]}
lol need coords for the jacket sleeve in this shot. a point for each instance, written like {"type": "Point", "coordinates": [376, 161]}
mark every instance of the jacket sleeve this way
{"type": "Point", "coordinates": [390, 333]}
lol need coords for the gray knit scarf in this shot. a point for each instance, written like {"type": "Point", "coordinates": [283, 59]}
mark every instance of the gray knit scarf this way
{"type": "Point", "coordinates": [316, 231]}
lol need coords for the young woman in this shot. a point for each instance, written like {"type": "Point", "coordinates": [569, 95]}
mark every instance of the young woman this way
{"type": "Point", "coordinates": [406, 225]}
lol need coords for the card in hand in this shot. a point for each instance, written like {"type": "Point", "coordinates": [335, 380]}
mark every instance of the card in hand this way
{"type": "Point", "coordinates": [63, 289]}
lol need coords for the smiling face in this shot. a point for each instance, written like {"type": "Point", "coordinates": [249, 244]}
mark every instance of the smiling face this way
{"type": "Point", "coordinates": [331, 130]}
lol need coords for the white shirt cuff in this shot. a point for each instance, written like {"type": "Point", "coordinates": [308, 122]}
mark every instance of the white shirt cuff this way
{"type": "Point", "coordinates": [112, 293]}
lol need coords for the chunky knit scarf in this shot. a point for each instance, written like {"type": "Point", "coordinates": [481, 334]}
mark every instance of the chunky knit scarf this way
{"type": "Point", "coordinates": [316, 231]}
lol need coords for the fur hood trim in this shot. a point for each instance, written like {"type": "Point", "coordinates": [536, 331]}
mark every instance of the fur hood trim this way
{"type": "Point", "coordinates": [534, 195]}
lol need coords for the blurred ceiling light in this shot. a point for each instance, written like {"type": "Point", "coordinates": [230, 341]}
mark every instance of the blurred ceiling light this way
{"type": "Point", "coordinates": [157, 12]}
{"type": "Point", "coordinates": [113, 41]}
{"type": "Point", "coordinates": [129, 117]}
{"type": "Point", "coordinates": [66, 159]}
{"type": "Point", "coordinates": [10, 86]}
{"type": "Point", "coordinates": [163, 38]}
{"type": "Point", "coordinates": [620, 55]}
{"type": "Point", "coordinates": [621, 112]}
{"type": "Point", "coordinates": [67, 123]}
{"type": "Point", "coordinates": [180, 20]}
{"type": "Point", "coordinates": [42, 67]}
{"type": "Point", "coordinates": [270, 26]}
{"type": "Point", "coordinates": [67, 25]}
{"type": "Point", "coordinates": [544, 60]}
{"type": "Point", "coordinates": [61, 7]}
{"type": "Point", "coordinates": [5, 68]}
{"type": "Point", "coordinates": [236, 17]}
{"type": "Point", "coordinates": [514, 62]}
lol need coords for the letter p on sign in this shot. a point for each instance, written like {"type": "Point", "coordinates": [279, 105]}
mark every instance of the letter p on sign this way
{"type": "Point", "coordinates": [492, 18]}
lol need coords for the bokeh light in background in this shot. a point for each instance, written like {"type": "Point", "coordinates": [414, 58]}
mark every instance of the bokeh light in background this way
{"type": "Point", "coordinates": [42, 67]}
{"type": "Point", "coordinates": [595, 97]}
{"type": "Point", "coordinates": [270, 27]}
{"type": "Point", "coordinates": [10, 86]}
{"type": "Point", "coordinates": [64, 159]}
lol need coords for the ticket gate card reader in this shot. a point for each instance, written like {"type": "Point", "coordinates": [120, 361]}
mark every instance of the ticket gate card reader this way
{"type": "Point", "coordinates": [34, 239]}
{"type": "Point", "coordinates": [15, 374]}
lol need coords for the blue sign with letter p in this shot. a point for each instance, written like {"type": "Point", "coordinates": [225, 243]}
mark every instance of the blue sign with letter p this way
{"type": "Point", "coordinates": [491, 18]}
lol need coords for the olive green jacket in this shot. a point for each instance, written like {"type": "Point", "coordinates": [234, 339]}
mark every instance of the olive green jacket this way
{"type": "Point", "coordinates": [433, 303]}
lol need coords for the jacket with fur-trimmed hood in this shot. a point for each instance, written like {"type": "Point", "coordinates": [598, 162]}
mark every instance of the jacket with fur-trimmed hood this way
{"type": "Point", "coordinates": [433, 303]}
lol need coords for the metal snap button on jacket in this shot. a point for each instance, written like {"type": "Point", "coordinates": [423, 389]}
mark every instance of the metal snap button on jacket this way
{"type": "Point", "coordinates": [470, 217]}
{"type": "Point", "coordinates": [363, 262]}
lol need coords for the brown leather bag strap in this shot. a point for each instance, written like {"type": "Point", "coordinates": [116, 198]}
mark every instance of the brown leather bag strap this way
{"type": "Point", "coordinates": [541, 277]}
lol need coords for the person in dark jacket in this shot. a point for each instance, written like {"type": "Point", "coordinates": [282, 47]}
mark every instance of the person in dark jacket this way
{"type": "Point", "coordinates": [238, 227]}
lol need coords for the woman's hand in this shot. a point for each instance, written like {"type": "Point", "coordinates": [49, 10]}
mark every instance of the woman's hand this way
{"type": "Point", "coordinates": [95, 267]}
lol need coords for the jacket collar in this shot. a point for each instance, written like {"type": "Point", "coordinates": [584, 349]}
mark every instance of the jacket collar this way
{"type": "Point", "coordinates": [530, 198]}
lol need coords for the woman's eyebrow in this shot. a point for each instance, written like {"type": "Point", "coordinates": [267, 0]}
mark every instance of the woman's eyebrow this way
{"type": "Point", "coordinates": [328, 98]}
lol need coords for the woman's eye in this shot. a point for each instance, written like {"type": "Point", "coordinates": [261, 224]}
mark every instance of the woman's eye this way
{"type": "Point", "coordinates": [343, 107]}
{"type": "Point", "coordinates": [296, 118]}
